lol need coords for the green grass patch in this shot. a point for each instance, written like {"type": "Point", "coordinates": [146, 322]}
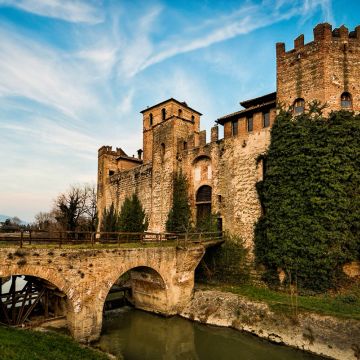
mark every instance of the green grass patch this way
{"type": "Point", "coordinates": [34, 345]}
{"type": "Point", "coordinates": [345, 305]}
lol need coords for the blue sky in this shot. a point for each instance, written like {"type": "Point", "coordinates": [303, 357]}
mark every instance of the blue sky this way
{"type": "Point", "coordinates": [75, 74]}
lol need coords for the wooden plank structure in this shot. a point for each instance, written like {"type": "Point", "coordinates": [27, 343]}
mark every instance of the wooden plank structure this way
{"type": "Point", "coordinates": [37, 297]}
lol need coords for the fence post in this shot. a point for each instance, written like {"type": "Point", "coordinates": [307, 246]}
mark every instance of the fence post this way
{"type": "Point", "coordinates": [30, 236]}
{"type": "Point", "coordinates": [21, 238]}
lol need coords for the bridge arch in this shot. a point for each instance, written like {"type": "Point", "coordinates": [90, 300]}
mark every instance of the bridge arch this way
{"type": "Point", "coordinates": [51, 276]}
{"type": "Point", "coordinates": [149, 276]}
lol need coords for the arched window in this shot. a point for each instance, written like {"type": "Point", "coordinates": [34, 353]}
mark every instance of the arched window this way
{"type": "Point", "coordinates": [179, 112]}
{"type": "Point", "coordinates": [192, 118]}
{"type": "Point", "coordinates": [162, 151]}
{"type": "Point", "coordinates": [299, 106]}
{"type": "Point", "coordinates": [151, 119]}
{"type": "Point", "coordinates": [163, 114]}
{"type": "Point", "coordinates": [346, 102]}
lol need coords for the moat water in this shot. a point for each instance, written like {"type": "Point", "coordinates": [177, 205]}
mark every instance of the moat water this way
{"type": "Point", "coordinates": [136, 335]}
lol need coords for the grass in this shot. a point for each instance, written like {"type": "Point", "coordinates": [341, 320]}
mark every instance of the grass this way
{"type": "Point", "coordinates": [345, 305]}
{"type": "Point", "coordinates": [33, 345]}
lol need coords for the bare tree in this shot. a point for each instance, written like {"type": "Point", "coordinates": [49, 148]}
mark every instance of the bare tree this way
{"type": "Point", "coordinates": [77, 208]}
{"type": "Point", "coordinates": [45, 221]}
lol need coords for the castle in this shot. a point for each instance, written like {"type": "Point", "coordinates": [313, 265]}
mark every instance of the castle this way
{"type": "Point", "coordinates": [222, 174]}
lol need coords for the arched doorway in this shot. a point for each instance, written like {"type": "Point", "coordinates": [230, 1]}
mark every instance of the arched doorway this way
{"type": "Point", "coordinates": [203, 206]}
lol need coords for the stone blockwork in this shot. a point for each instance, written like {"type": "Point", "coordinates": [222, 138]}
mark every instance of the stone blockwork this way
{"type": "Point", "coordinates": [321, 70]}
{"type": "Point", "coordinates": [162, 278]}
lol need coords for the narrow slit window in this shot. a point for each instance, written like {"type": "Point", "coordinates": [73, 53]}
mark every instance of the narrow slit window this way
{"type": "Point", "coordinates": [234, 128]}
{"type": "Point", "coordinates": [163, 114]}
{"type": "Point", "coordinates": [266, 119]}
{"type": "Point", "coordinates": [250, 124]}
{"type": "Point", "coordinates": [151, 119]}
{"type": "Point", "coordinates": [180, 113]}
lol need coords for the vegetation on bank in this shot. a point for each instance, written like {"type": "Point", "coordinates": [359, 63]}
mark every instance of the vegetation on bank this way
{"type": "Point", "coordinates": [34, 345]}
{"type": "Point", "coordinates": [343, 305]}
{"type": "Point", "coordinates": [226, 263]}
{"type": "Point", "coordinates": [311, 199]}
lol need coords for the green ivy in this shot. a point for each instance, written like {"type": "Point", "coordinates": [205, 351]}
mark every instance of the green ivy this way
{"type": "Point", "coordinates": [311, 198]}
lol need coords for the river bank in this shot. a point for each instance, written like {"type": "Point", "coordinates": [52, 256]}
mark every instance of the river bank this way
{"type": "Point", "coordinates": [20, 344]}
{"type": "Point", "coordinates": [319, 334]}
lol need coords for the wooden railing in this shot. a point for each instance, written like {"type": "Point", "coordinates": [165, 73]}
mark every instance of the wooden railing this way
{"type": "Point", "coordinates": [88, 238]}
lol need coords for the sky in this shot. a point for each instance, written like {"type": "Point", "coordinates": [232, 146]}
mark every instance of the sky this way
{"type": "Point", "coordinates": [74, 75]}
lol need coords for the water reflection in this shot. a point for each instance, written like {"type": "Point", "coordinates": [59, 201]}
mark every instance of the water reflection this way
{"type": "Point", "coordinates": [137, 335]}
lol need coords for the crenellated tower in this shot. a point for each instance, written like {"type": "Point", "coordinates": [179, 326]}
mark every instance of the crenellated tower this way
{"type": "Point", "coordinates": [326, 69]}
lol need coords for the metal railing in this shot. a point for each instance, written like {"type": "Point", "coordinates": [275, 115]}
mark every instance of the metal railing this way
{"type": "Point", "coordinates": [88, 238]}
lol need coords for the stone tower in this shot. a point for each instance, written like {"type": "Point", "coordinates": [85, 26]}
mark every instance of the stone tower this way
{"type": "Point", "coordinates": [326, 69]}
{"type": "Point", "coordinates": [169, 127]}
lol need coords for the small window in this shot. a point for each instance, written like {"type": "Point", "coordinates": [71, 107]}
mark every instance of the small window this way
{"type": "Point", "coordinates": [192, 118]}
{"type": "Point", "coordinates": [185, 146]}
{"type": "Point", "coordinates": [162, 151]}
{"type": "Point", "coordinates": [163, 114]}
{"type": "Point", "coordinates": [111, 172]}
{"type": "Point", "coordinates": [234, 128]}
{"type": "Point", "coordinates": [219, 199]}
{"type": "Point", "coordinates": [266, 119]}
{"type": "Point", "coordinates": [346, 102]}
{"type": "Point", "coordinates": [180, 113]}
{"type": "Point", "coordinates": [299, 106]}
{"type": "Point", "coordinates": [249, 124]}
{"type": "Point", "coordinates": [151, 119]}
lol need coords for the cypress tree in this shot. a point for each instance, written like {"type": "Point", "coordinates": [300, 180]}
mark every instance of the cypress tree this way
{"type": "Point", "coordinates": [179, 217]}
{"type": "Point", "coordinates": [132, 217]}
{"type": "Point", "coordinates": [110, 220]}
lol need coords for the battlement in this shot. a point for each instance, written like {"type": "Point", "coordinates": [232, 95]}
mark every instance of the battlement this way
{"type": "Point", "coordinates": [322, 33]}
{"type": "Point", "coordinates": [107, 150]}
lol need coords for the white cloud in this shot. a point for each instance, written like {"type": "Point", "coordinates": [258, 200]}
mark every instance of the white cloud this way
{"type": "Point", "coordinates": [142, 53]}
{"type": "Point", "coordinates": [44, 75]}
{"type": "Point", "coordinates": [69, 10]}
{"type": "Point", "coordinates": [50, 133]}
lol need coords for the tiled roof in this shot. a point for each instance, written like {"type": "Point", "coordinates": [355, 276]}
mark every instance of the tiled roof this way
{"type": "Point", "coordinates": [245, 112]}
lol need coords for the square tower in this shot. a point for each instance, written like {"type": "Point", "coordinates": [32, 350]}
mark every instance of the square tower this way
{"type": "Point", "coordinates": [326, 69]}
{"type": "Point", "coordinates": [155, 117]}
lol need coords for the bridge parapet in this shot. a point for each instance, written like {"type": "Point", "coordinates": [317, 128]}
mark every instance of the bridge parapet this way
{"type": "Point", "coordinates": [99, 239]}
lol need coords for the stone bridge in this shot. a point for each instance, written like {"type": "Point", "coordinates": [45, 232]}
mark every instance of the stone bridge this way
{"type": "Point", "coordinates": [162, 278]}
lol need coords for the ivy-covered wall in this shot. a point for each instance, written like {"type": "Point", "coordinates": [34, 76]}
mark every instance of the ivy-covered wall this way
{"type": "Point", "coordinates": [311, 198]}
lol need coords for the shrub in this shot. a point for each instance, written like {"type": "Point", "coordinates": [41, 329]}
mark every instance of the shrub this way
{"type": "Point", "coordinates": [226, 263]}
